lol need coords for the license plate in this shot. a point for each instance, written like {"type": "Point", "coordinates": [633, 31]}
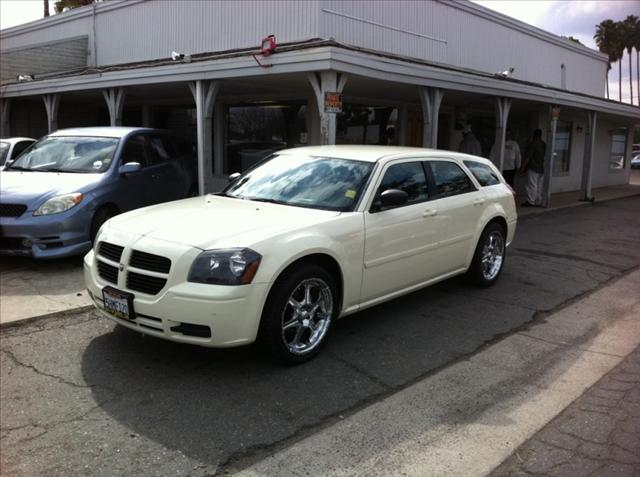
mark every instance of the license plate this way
{"type": "Point", "coordinates": [118, 303]}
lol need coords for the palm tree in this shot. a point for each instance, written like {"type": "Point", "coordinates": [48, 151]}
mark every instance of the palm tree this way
{"type": "Point", "coordinates": [605, 39]}
{"type": "Point", "coordinates": [60, 5]}
{"type": "Point", "coordinates": [635, 41]}
{"type": "Point", "coordinates": [618, 50]}
{"type": "Point", "coordinates": [628, 29]}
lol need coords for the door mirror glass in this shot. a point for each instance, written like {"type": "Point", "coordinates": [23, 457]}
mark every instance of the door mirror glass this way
{"type": "Point", "coordinates": [393, 198]}
{"type": "Point", "coordinates": [130, 168]}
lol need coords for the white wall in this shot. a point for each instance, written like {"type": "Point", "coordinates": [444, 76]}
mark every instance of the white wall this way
{"type": "Point", "coordinates": [466, 36]}
{"type": "Point", "coordinates": [602, 175]}
{"type": "Point", "coordinates": [460, 34]}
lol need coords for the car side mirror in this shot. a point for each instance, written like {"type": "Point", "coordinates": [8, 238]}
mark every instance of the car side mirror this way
{"type": "Point", "coordinates": [393, 198]}
{"type": "Point", "coordinates": [233, 177]}
{"type": "Point", "coordinates": [130, 168]}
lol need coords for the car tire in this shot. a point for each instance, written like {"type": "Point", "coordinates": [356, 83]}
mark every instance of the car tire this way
{"type": "Point", "coordinates": [299, 313]}
{"type": "Point", "coordinates": [100, 217]}
{"type": "Point", "coordinates": [489, 256]}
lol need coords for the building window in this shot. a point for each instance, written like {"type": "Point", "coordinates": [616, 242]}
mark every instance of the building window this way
{"type": "Point", "coordinates": [562, 149]}
{"type": "Point", "coordinates": [618, 146]}
{"type": "Point", "coordinates": [359, 124]}
{"type": "Point", "coordinates": [256, 130]}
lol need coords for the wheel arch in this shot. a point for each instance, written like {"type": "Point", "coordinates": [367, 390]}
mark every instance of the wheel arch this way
{"type": "Point", "coordinates": [320, 258]}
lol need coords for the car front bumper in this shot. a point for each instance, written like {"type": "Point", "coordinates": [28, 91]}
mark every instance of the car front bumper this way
{"type": "Point", "coordinates": [182, 311]}
{"type": "Point", "coordinates": [55, 236]}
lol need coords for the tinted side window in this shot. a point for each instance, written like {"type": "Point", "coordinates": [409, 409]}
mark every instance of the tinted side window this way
{"type": "Point", "coordinates": [135, 150]}
{"type": "Point", "coordinates": [19, 147]}
{"type": "Point", "coordinates": [159, 154]}
{"type": "Point", "coordinates": [178, 147]}
{"type": "Point", "coordinates": [483, 173]}
{"type": "Point", "coordinates": [449, 178]}
{"type": "Point", "coordinates": [408, 177]}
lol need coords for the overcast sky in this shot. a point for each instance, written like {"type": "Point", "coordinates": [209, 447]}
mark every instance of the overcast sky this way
{"type": "Point", "coordinates": [575, 18]}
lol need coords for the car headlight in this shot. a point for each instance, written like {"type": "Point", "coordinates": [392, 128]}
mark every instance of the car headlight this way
{"type": "Point", "coordinates": [59, 204]}
{"type": "Point", "coordinates": [232, 266]}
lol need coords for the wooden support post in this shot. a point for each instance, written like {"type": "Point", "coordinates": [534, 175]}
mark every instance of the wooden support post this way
{"type": "Point", "coordinates": [115, 103]}
{"type": "Point", "coordinates": [51, 104]}
{"type": "Point", "coordinates": [5, 116]}
{"type": "Point", "coordinates": [323, 82]}
{"type": "Point", "coordinates": [430, 98]}
{"type": "Point", "coordinates": [503, 107]}
{"type": "Point", "coordinates": [549, 160]}
{"type": "Point", "coordinates": [587, 160]}
{"type": "Point", "coordinates": [204, 94]}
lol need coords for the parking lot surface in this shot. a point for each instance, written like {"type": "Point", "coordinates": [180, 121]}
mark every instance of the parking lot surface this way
{"type": "Point", "coordinates": [82, 397]}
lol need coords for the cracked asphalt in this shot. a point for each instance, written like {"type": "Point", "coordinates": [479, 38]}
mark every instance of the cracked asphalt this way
{"type": "Point", "coordinates": [80, 396]}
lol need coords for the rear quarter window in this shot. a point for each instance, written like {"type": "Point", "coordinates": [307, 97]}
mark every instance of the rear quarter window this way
{"type": "Point", "coordinates": [483, 173]}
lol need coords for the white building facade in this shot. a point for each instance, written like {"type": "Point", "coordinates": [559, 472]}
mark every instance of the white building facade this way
{"type": "Point", "coordinates": [409, 73]}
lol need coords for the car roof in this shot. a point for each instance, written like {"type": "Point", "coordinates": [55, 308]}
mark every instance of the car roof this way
{"type": "Point", "coordinates": [376, 153]}
{"type": "Point", "coordinates": [104, 131]}
{"type": "Point", "coordinates": [13, 140]}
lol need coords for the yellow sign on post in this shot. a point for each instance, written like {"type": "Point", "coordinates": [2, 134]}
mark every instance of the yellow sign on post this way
{"type": "Point", "coordinates": [332, 102]}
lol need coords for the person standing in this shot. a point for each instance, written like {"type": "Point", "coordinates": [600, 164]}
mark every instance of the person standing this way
{"type": "Point", "coordinates": [469, 143]}
{"type": "Point", "coordinates": [533, 165]}
{"type": "Point", "coordinates": [512, 158]}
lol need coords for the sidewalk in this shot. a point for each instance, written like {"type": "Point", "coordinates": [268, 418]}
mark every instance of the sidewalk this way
{"type": "Point", "coordinates": [30, 288]}
{"type": "Point", "coordinates": [468, 418]}
{"type": "Point", "coordinates": [572, 199]}
{"type": "Point", "coordinates": [599, 434]}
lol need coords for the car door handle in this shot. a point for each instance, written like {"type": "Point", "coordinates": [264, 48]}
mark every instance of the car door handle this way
{"type": "Point", "coordinates": [478, 202]}
{"type": "Point", "coordinates": [430, 213]}
{"type": "Point", "coordinates": [155, 176]}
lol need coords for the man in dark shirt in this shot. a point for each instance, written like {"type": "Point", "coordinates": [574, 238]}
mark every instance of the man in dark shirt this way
{"type": "Point", "coordinates": [533, 165]}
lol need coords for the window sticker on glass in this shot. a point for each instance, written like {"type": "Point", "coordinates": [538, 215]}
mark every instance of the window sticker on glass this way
{"type": "Point", "coordinates": [350, 194]}
{"type": "Point", "coordinates": [97, 164]}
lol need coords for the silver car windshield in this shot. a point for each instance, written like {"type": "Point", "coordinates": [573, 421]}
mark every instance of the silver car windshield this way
{"type": "Point", "coordinates": [68, 154]}
{"type": "Point", "coordinates": [304, 181]}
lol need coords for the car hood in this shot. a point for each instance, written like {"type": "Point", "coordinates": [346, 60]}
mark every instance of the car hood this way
{"type": "Point", "coordinates": [214, 221]}
{"type": "Point", "coordinates": [33, 188]}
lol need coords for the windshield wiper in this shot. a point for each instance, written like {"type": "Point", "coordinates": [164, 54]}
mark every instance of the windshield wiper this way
{"type": "Point", "coordinates": [262, 199]}
{"type": "Point", "coordinates": [56, 169]}
{"type": "Point", "coordinates": [18, 168]}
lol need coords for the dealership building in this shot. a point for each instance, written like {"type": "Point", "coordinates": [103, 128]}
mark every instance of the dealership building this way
{"type": "Point", "coordinates": [245, 78]}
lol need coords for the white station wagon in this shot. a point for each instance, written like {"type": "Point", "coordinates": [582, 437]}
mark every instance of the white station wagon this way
{"type": "Point", "coordinates": [309, 235]}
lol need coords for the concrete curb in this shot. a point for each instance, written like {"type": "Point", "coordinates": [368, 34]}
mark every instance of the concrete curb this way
{"type": "Point", "coordinates": [56, 314]}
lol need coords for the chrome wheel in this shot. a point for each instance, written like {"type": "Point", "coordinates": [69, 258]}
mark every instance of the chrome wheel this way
{"type": "Point", "coordinates": [306, 316]}
{"type": "Point", "coordinates": [492, 255]}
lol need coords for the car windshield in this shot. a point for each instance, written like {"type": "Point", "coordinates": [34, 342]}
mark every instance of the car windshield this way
{"type": "Point", "coordinates": [68, 154]}
{"type": "Point", "coordinates": [4, 150]}
{"type": "Point", "coordinates": [294, 179]}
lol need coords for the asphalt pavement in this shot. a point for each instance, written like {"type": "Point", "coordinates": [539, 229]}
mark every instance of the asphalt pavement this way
{"type": "Point", "coordinates": [83, 397]}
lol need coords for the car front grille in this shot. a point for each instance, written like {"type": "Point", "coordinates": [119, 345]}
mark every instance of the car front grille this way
{"type": "Point", "coordinates": [145, 283]}
{"type": "Point", "coordinates": [12, 210]}
{"type": "Point", "coordinates": [110, 251]}
{"type": "Point", "coordinates": [108, 272]}
{"type": "Point", "coordinates": [148, 261]}
{"type": "Point", "coordinates": [134, 266]}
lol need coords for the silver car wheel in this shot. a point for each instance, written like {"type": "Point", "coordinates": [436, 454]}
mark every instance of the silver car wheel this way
{"type": "Point", "coordinates": [492, 255]}
{"type": "Point", "coordinates": [307, 315]}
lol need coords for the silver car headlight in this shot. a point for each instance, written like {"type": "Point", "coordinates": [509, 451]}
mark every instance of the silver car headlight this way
{"type": "Point", "coordinates": [232, 266]}
{"type": "Point", "coordinates": [59, 204]}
